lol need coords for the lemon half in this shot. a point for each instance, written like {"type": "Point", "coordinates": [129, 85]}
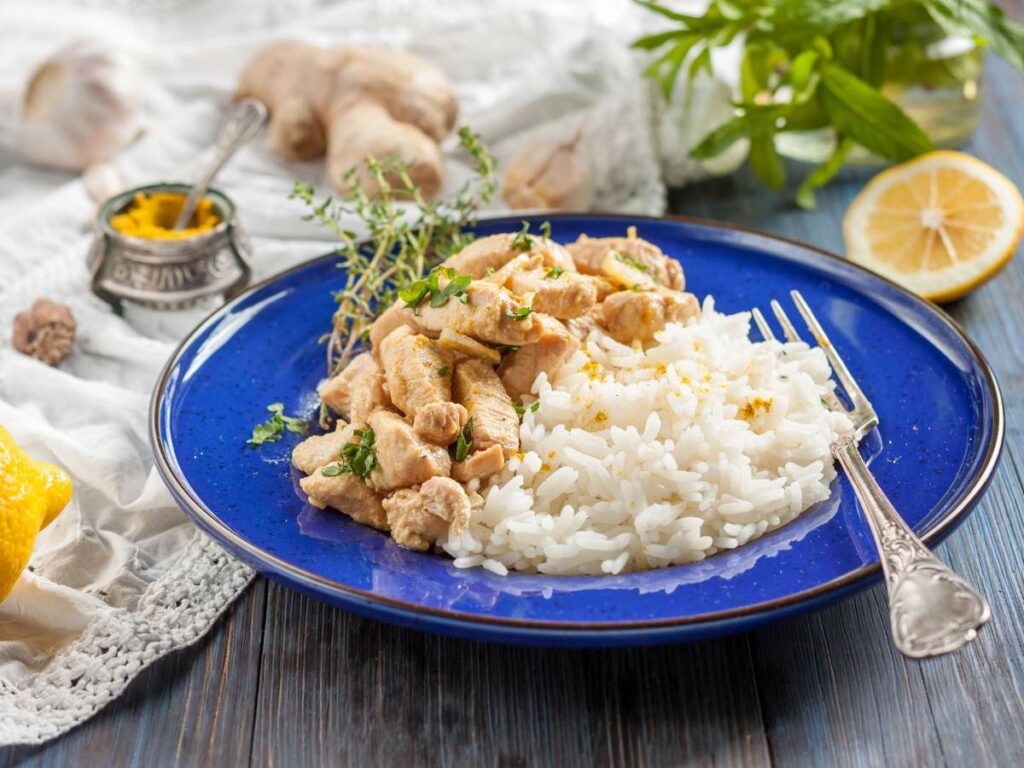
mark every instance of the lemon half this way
{"type": "Point", "coordinates": [940, 224]}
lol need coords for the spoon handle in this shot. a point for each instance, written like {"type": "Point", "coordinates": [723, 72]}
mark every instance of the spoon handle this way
{"type": "Point", "coordinates": [243, 121]}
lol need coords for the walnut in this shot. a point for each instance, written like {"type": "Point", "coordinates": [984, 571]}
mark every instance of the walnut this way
{"type": "Point", "coordinates": [46, 331]}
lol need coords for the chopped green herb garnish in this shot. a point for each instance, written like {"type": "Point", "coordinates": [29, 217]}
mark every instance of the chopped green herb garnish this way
{"type": "Point", "coordinates": [523, 240]}
{"type": "Point", "coordinates": [456, 287]}
{"type": "Point", "coordinates": [639, 288]}
{"type": "Point", "coordinates": [553, 273]}
{"type": "Point", "coordinates": [504, 349]}
{"type": "Point", "coordinates": [443, 371]}
{"type": "Point", "coordinates": [271, 430]}
{"type": "Point", "coordinates": [464, 441]}
{"type": "Point", "coordinates": [545, 230]}
{"type": "Point", "coordinates": [630, 261]}
{"type": "Point", "coordinates": [358, 458]}
{"type": "Point", "coordinates": [519, 313]}
{"type": "Point", "coordinates": [520, 409]}
{"type": "Point", "coordinates": [534, 407]}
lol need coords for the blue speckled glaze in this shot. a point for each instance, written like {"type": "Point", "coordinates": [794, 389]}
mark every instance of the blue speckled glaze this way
{"type": "Point", "coordinates": [940, 437]}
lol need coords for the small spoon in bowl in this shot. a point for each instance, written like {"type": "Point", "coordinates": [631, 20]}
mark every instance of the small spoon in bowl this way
{"type": "Point", "coordinates": [243, 121]}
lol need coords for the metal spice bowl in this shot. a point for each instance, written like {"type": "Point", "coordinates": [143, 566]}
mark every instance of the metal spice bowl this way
{"type": "Point", "coordinates": [168, 274]}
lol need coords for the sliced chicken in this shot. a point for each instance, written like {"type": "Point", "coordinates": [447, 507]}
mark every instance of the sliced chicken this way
{"type": "Point", "coordinates": [395, 316]}
{"type": "Point", "coordinates": [602, 285]}
{"type": "Point", "coordinates": [317, 450]}
{"type": "Point", "coordinates": [490, 314]}
{"type": "Point", "coordinates": [519, 369]}
{"type": "Point", "coordinates": [480, 464]}
{"type": "Point", "coordinates": [403, 459]}
{"type": "Point", "coordinates": [346, 493]}
{"type": "Point", "coordinates": [462, 346]}
{"type": "Point", "coordinates": [564, 296]}
{"type": "Point", "coordinates": [495, 422]}
{"type": "Point", "coordinates": [489, 254]}
{"type": "Point", "coordinates": [638, 315]}
{"type": "Point", "coordinates": [589, 255]}
{"type": "Point", "coordinates": [418, 372]}
{"type": "Point", "coordinates": [357, 391]}
{"type": "Point", "coordinates": [420, 516]}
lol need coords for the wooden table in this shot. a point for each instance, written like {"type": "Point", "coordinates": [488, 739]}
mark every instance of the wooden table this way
{"type": "Point", "coordinates": [284, 680]}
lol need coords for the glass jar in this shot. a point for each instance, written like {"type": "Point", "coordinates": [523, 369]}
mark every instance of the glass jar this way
{"type": "Point", "coordinates": [934, 77]}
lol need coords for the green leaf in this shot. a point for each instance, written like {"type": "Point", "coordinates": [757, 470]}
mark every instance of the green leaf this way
{"type": "Point", "coordinates": [668, 13]}
{"type": "Point", "coordinates": [464, 441]}
{"type": "Point", "coordinates": [519, 313]}
{"type": "Point", "coordinates": [802, 71]}
{"type": "Point", "coordinates": [721, 138]}
{"type": "Point", "coordinates": [554, 273]}
{"type": "Point", "coordinates": [984, 20]}
{"type": "Point", "coordinates": [765, 161]}
{"type": "Point", "coordinates": [859, 111]}
{"type": "Point", "coordinates": [523, 241]}
{"type": "Point", "coordinates": [701, 61]}
{"type": "Point", "coordinates": [650, 42]}
{"type": "Point", "coordinates": [822, 175]}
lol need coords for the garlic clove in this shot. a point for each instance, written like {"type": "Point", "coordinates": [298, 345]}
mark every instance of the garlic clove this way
{"type": "Point", "coordinates": [550, 173]}
{"type": "Point", "coordinates": [102, 181]}
{"type": "Point", "coordinates": [80, 107]}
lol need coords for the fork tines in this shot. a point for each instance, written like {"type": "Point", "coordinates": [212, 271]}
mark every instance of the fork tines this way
{"type": "Point", "coordinates": [862, 409]}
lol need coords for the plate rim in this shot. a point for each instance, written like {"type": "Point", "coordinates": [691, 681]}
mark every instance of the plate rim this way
{"type": "Point", "coordinates": [264, 561]}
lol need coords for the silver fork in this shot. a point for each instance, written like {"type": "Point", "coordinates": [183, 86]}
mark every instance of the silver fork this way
{"type": "Point", "coordinates": [931, 610]}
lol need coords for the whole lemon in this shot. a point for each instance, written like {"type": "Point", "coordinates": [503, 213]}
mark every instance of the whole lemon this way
{"type": "Point", "coordinates": [32, 494]}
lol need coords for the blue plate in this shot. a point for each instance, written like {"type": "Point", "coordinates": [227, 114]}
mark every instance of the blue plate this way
{"type": "Point", "coordinates": [941, 433]}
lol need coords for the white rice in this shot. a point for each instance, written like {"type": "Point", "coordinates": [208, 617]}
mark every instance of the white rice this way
{"type": "Point", "coordinates": [640, 459]}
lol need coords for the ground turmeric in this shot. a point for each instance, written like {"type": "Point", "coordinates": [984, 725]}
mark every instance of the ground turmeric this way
{"type": "Point", "coordinates": [152, 217]}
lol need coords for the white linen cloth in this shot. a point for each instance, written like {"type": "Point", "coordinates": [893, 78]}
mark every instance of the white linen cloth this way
{"type": "Point", "coordinates": [122, 577]}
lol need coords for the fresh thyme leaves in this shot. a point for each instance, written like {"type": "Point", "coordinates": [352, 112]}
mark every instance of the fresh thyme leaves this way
{"type": "Point", "coordinates": [535, 406]}
{"type": "Point", "coordinates": [554, 273]}
{"type": "Point", "coordinates": [404, 240]}
{"type": "Point", "coordinates": [630, 261]}
{"type": "Point", "coordinates": [519, 313]}
{"type": "Point", "coordinates": [358, 458]}
{"type": "Point", "coordinates": [545, 230]}
{"type": "Point", "coordinates": [443, 371]}
{"type": "Point", "coordinates": [271, 430]}
{"type": "Point", "coordinates": [464, 441]}
{"type": "Point", "coordinates": [520, 409]}
{"type": "Point", "coordinates": [417, 292]}
{"type": "Point", "coordinates": [811, 65]}
{"type": "Point", "coordinates": [523, 240]}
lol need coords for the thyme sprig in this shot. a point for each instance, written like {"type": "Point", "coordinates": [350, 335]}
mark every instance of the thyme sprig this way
{"type": "Point", "coordinates": [406, 235]}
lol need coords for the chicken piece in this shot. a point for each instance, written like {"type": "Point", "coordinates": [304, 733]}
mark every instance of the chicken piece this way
{"type": "Point", "coordinates": [420, 516]}
{"type": "Point", "coordinates": [403, 459]}
{"type": "Point", "coordinates": [480, 464]}
{"type": "Point", "coordinates": [519, 369]}
{"type": "Point", "coordinates": [563, 296]}
{"type": "Point", "coordinates": [418, 373]}
{"type": "Point", "coordinates": [463, 346]}
{"type": "Point", "coordinates": [489, 254]}
{"type": "Point", "coordinates": [589, 255]}
{"type": "Point", "coordinates": [489, 314]}
{"type": "Point", "coordinates": [631, 315]}
{"type": "Point", "coordinates": [477, 387]}
{"type": "Point", "coordinates": [391, 318]}
{"type": "Point", "coordinates": [317, 450]}
{"type": "Point", "coordinates": [602, 285]}
{"type": "Point", "coordinates": [357, 391]}
{"type": "Point", "coordinates": [626, 273]}
{"type": "Point", "coordinates": [346, 493]}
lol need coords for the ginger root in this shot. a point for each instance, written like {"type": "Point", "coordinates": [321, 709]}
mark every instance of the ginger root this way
{"type": "Point", "coordinates": [350, 103]}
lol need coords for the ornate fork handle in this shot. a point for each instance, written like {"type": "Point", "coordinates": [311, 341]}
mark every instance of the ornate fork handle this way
{"type": "Point", "coordinates": [932, 610]}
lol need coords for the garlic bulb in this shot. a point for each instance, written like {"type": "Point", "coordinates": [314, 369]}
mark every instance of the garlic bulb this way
{"type": "Point", "coordinates": [550, 174]}
{"type": "Point", "coordinates": [81, 107]}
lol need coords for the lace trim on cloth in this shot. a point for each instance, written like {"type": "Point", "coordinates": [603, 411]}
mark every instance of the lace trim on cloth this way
{"type": "Point", "coordinates": [175, 612]}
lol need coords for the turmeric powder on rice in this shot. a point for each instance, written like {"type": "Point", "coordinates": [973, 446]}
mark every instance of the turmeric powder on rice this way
{"type": "Point", "coordinates": [152, 217]}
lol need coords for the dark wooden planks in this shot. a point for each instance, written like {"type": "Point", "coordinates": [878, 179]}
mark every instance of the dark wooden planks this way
{"type": "Point", "coordinates": [192, 708]}
{"type": "Point", "coordinates": [337, 689]}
